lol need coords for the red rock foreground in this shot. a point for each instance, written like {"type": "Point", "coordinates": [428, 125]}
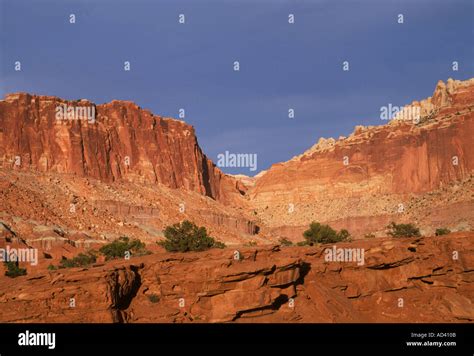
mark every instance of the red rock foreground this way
{"type": "Point", "coordinates": [427, 279]}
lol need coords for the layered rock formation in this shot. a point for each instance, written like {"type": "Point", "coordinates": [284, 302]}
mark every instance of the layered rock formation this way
{"type": "Point", "coordinates": [122, 141]}
{"type": "Point", "coordinates": [401, 280]}
{"type": "Point", "coordinates": [402, 171]}
{"type": "Point", "coordinates": [71, 184]}
{"type": "Point", "coordinates": [405, 171]}
{"type": "Point", "coordinates": [36, 205]}
{"type": "Point", "coordinates": [101, 171]}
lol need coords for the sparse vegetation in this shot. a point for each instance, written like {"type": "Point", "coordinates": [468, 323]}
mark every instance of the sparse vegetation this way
{"type": "Point", "coordinates": [302, 243]}
{"type": "Point", "coordinates": [187, 236]}
{"type": "Point", "coordinates": [153, 298]}
{"type": "Point", "coordinates": [81, 260]}
{"type": "Point", "coordinates": [318, 233]}
{"type": "Point", "coordinates": [251, 243]}
{"type": "Point", "coordinates": [403, 230]}
{"type": "Point", "coordinates": [52, 268]}
{"type": "Point", "coordinates": [119, 248]}
{"type": "Point", "coordinates": [218, 244]}
{"type": "Point", "coordinates": [13, 270]}
{"type": "Point", "coordinates": [442, 231]}
{"type": "Point", "coordinates": [369, 236]}
{"type": "Point", "coordinates": [344, 235]}
{"type": "Point", "coordinates": [285, 242]}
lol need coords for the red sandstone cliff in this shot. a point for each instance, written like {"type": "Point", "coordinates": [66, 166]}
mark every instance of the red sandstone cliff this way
{"type": "Point", "coordinates": [126, 172]}
{"type": "Point", "coordinates": [399, 171]}
{"type": "Point", "coordinates": [125, 142]}
{"type": "Point", "coordinates": [398, 164]}
{"type": "Point", "coordinates": [403, 171]}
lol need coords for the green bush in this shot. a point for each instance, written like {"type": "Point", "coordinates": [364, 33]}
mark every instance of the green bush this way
{"type": "Point", "coordinates": [52, 268]}
{"type": "Point", "coordinates": [403, 230]}
{"type": "Point", "coordinates": [119, 247]}
{"type": "Point", "coordinates": [13, 270]}
{"type": "Point", "coordinates": [442, 231]}
{"type": "Point", "coordinates": [187, 236]}
{"type": "Point", "coordinates": [218, 244]}
{"type": "Point", "coordinates": [344, 235]}
{"type": "Point", "coordinates": [318, 233]}
{"type": "Point", "coordinates": [81, 260]}
{"type": "Point", "coordinates": [285, 242]}
{"type": "Point", "coordinates": [302, 243]}
{"type": "Point", "coordinates": [153, 298]}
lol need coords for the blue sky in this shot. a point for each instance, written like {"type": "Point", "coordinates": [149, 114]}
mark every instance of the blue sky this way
{"type": "Point", "coordinates": [282, 65]}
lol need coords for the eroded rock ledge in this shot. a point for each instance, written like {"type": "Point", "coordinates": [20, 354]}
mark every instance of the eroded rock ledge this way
{"type": "Point", "coordinates": [402, 280]}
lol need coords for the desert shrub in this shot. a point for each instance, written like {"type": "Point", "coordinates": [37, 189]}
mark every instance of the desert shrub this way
{"type": "Point", "coordinates": [369, 236]}
{"type": "Point", "coordinates": [302, 243]}
{"type": "Point", "coordinates": [187, 236]}
{"type": "Point", "coordinates": [285, 242]}
{"type": "Point", "coordinates": [119, 247]}
{"type": "Point", "coordinates": [52, 268]}
{"type": "Point", "coordinates": [153, 298]}
{"type": "Point", "coordinates": [442, 231]}
{"type": "Point", "coordinates": [81, 260]}
{"type": "Point", "coordinates": [403, 230]}
{"type": "Point", "coordinates": [251, 243]}
{"type": "Point", "coordinates": [344, 234]}
{"type": "Point", "coordinates": [13, 270]}
{"type": "Point", "coordinates": [318, 233]}
{"type": "Point", "coordinates": [218, 244]}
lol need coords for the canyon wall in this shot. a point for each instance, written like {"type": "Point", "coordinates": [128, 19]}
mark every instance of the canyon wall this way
{"type": "Point", "coordinates": [380, 172]}
{"type": "Point", "coordinates": [125, 172]}
{"type": "Point", "coordinates": [405, 171]}
{"type": "Point", "coordinates": [125, 142]}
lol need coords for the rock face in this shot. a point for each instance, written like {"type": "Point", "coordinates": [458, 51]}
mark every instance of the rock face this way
{"type": "Point", "coordinates": [381, 173]}
{"type": "Point", "coordinates": [405, 171]}
{"type": "Point", "coordinates": [70, 184]}
{"type": "Point", "coordinates": [36, 205]}
{"type": "Point", "coordinates": [398, 280]}
{"type": "Point", "coordinates": [102, 171]}
{"type": "Point", "coordinates": [119, 141]}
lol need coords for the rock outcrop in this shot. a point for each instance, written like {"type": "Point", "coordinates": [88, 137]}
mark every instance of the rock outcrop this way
{"type": "Point", "coordinates": [401, 280]}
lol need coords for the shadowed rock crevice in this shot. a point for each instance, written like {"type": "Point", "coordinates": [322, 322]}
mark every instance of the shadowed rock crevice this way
{"type": "Point", "coordinates": [305, 268]}
{"type": "Point", "coordinates": [392, 264]}
{"type": "Point", "coordinates": [276, 305]}
{"type": "Point", "coordinates": [123, 286]}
